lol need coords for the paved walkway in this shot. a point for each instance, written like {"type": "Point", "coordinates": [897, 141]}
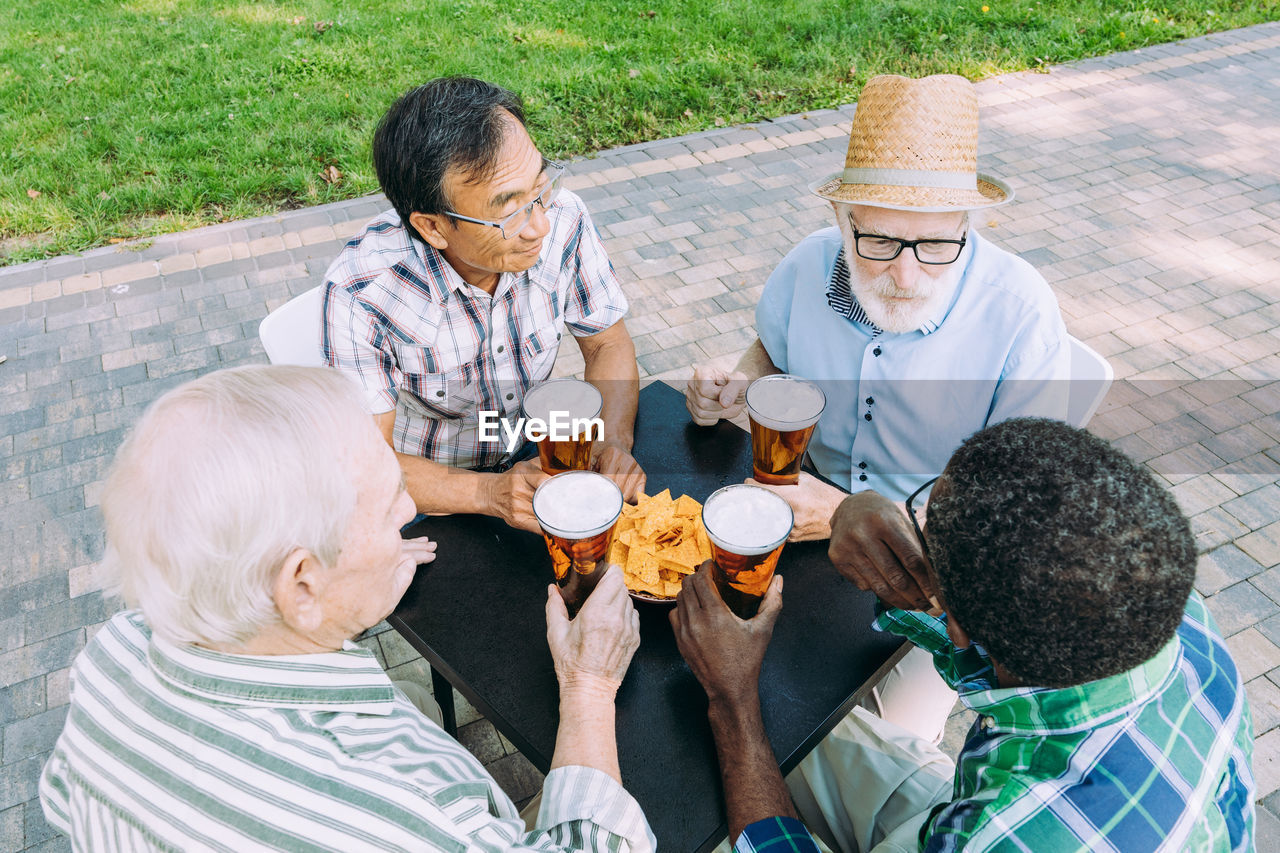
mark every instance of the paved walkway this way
{"type": "Point", "coordinates": [1147, 194]}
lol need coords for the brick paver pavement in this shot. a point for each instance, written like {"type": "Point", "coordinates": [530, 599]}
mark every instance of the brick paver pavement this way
{"type": "Point", "coordinates": [1147, 194]}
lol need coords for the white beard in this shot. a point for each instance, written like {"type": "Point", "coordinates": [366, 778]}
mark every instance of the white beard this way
{"type": "Point", "coordinates": [882, 300]}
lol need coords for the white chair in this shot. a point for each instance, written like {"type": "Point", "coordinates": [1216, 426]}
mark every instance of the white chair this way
{"type": "Point", "coordinates": [1091, 376]}
{"type": "Point", "coordinates": [291, 333]}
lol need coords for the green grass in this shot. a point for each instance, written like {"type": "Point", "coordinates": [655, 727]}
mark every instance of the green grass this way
{"type": "Point", "coordinates": [137, 117]}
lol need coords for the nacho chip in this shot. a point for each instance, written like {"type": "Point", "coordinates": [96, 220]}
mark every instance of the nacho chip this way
{"type": "Point", "coordinates": [618, 552]}
{"type": "Point", "coordinates": [687, 507]}
{"type": "Point", "coordinates": [658, 541]}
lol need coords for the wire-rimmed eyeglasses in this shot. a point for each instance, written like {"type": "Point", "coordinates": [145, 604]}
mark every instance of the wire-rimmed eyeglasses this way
{"type": "Point", "coordinates": [512, 225]}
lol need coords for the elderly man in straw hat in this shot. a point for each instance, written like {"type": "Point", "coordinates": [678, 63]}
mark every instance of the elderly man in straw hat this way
{"type": "Point", "coordinates": [253, 518]}
{"type": "Point", "coordinates": [919, 331]}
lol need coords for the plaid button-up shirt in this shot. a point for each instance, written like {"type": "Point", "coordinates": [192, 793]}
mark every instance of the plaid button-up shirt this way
{"type": "Point", "coordinates": [1156, 758]}
{"type": "Point", "coordinates": [400, 319]}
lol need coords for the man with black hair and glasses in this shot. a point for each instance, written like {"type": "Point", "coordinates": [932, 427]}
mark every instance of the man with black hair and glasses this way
{"type": "Point", "coordinates": [453, 304]}
{"type": "Point", "coordinates": [1110, 715]}
{"type": "Point", "coordinates": [918, 330]}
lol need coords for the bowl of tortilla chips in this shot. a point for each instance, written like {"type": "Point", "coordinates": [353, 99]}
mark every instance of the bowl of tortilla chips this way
{"type": "Point", "coordinates": [657, 542]}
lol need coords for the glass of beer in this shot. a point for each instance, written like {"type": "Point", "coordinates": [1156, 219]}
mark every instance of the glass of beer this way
{"type": "Point", "coordinates": [577, 511]}
{"type": "Point", "coordinates": [564, 405]}
{"type": "Point", "coordinates": [747, 526]}
{"type": "Point", "coordinates": [783, 410]}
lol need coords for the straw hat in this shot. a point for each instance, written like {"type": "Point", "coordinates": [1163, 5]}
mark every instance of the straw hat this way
{"type": "Point", "coordinates": [914, 146]}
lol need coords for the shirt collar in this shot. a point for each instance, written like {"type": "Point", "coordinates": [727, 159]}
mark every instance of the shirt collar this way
{"type": "Point", "coordinates": [1052, 711]}
{"type": "Point", "coordinates": [443, 280]}
{"type": "Point", "coordinates": [348, 681]}
{"type": "Point", "coordinates": [965, 260]}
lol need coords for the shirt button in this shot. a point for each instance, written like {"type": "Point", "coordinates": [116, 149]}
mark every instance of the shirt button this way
{"type": "Point", "coordinates": [501, 347]}
{"type": "Point", "coordinates": [862, 477]}
{"type": "Point", "coordinates": [871, 401]}
{"type": "Point", "coordinates": [867, 416]}
{"type": "Point", "coordinates": [987, 723]}
{"type": "Point", "coordinates": [862, 465]}
{"type": "Point", "coordinates": [511, 396]}
{"type": "Point", "coordinates": [439, 393]}
{"type": "Point", "coordinates": [557, 336]}
{"type": "Point", "coordinates": [876, 352]}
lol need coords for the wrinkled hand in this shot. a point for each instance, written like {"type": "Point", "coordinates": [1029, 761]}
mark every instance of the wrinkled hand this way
{"type": "Point", "coordinates": [812, 503]}
{"type": "Point", "coordinates": [874, 545]}
{"type": "Point", "coordinates": [713, 394]}
{"type": "Point", "coordinates": [617, 463]}
{"type": "Point", "coordinates": [511, 494]}
{"type": "Point", "coordinates": [593, 651]}
{"type": "Point", "coordinates": [724, 652]}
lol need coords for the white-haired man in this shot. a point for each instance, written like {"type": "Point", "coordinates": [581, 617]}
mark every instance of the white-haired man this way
{"type": "Point", "coordinates": [920, 333]}
{"type": "Point", "coordinates": [253, 519]}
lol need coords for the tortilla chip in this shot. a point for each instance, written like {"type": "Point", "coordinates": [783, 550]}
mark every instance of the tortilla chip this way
{"type": "Point", "coordinates": [687, 507]}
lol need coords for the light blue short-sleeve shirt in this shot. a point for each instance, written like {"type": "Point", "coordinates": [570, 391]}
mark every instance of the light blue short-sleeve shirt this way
{"type": "Point", "coordinates": [898, 405]}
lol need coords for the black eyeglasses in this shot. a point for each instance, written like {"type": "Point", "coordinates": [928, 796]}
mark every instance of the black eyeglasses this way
{"type": "Point", "coordinates": [876, 247]}
{"type": "Point", "coordinates": [915, 522]}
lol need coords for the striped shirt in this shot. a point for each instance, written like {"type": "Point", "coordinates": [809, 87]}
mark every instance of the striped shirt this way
{"type": "Point", "coordinates": [178, 748]}
{"type": "Point", "coordinates": [400, 320]}
{"type": "Point", "coordinates": [841, 299]}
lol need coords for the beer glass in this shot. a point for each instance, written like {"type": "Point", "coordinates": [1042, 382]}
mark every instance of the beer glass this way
{"type": "Point", "coordinates": [783, 410]}
{"type": "Point", "coordinates": [566, 402]}
{"type": "Point", "coordinates": [577, 511]}
{"type": "Point", "coordinates": [747, 526]}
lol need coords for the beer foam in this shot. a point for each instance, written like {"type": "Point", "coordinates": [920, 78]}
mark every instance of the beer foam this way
{"type": "Point", "coordinates": [785, 402]}
{"type": "Point", "coordinates": [572, 397]}
{"type": "Point", "coordinates": [577, 504]}
{"type": "Point", "coordinates": [747, 519]}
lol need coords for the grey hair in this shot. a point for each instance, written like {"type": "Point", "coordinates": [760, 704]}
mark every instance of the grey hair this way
{"type": "Point", "coordinates": [220, 480]}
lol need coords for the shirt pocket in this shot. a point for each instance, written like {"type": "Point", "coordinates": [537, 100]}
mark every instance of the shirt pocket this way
{"type": "Point", "coordinates": [538, 351]}
{"type": "Point", "coordinates": [449, 395]}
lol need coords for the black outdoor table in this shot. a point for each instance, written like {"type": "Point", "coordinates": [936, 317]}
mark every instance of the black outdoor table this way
{"type": "Point", "coordinates": [477, 615]}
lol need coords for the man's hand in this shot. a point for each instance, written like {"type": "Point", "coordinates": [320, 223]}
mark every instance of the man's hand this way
{"type": "Point", "coordinates": [510, 494]}
{"type": "Point", "coordinates": [417, 551]}
{"type": "Point", "coordinates": [713, 394]}
{"type": "Point", "coordinates": [592, 652]}
{"type": "Point", "coordinates": [812, 503]}
{"type": "Point", "coordinates": [724, 652]}
{"type": "Point", "coordinates": [874, 545]}
{"type": "Point", "coordinates": [616, 462]}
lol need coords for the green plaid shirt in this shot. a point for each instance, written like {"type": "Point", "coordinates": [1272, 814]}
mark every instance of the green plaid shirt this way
{"type": "Point", "coordinates": [1156, 758]}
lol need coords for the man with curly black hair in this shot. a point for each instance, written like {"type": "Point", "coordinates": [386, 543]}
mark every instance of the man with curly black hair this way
{"type": "Point", "coordinates": [1110, 713]}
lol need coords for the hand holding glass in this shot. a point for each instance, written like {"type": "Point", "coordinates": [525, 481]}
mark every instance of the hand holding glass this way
{"type": "Point", "coordinates": [577, 511]}
{"type": "Point", "coordinates": [747, 526]}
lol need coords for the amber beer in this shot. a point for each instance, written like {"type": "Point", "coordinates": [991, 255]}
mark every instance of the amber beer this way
{"type": "Point", "coordinates": [747, 526]}
{"type": "Point", "coordinates": [577, 511]}
{"type": "Point", "coordinates": [572, 400]}
{"type": "Point", "coordinates": [784, 411]}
